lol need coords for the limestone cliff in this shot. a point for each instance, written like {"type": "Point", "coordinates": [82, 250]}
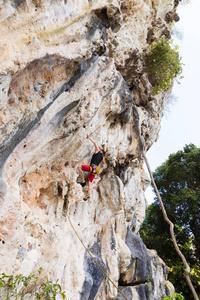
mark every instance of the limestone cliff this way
{"type": "Point", "coordinates": [68, 69]}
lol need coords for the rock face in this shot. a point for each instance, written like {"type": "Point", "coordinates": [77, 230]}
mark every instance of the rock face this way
{"type": "Point", "coordinates": [69, 69]}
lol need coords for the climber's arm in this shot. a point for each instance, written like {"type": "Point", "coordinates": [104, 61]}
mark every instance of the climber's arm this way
{"type": "Point", "coordinates": [97, 149]}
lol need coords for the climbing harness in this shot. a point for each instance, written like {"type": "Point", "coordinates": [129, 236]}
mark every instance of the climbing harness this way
{"type": "Point", "coordinates": [95, 259]}
{"type": "Point", "coordinates": [94, 169]}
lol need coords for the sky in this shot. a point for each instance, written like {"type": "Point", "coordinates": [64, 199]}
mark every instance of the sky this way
{"type": "Point", "coordinates": [182, 124]}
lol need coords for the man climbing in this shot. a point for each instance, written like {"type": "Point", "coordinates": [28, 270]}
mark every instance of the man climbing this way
{"type": "Point", "coordinates": [93, 168]}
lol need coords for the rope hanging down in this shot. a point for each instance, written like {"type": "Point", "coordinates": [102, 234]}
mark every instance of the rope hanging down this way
{"type": "Point", "coordinates": [95, 259]}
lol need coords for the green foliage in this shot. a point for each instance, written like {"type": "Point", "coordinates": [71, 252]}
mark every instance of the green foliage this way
{"type": "Point", "coordinates": [163, 65]}
{"type": "Point", "coordinates": [178, 182]}
{"type": "Point", "coordinates": [16, 287]}
{"type": "Point", "coordinates": [175, 296]}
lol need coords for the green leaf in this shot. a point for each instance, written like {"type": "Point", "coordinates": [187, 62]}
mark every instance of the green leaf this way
{"type": "Point", "coordinates": [1, 284]}
{"type": "Point", "coordinates": [47, 289]}
{"type": "Point", "coordinates": [63, 295]}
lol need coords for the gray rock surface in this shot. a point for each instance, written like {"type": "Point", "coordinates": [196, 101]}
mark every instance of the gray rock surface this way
{"type": "Point", "coordinates": [69, 69]}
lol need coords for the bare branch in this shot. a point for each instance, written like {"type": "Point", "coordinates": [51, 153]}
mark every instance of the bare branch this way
{"type": "Point", "coordinates": [187, 268]}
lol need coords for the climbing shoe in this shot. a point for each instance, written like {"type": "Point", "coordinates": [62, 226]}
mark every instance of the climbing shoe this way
{"type": "Point", "coordinates": [86, 198]}
{"type": "Point", "coordinates": [82, 183]}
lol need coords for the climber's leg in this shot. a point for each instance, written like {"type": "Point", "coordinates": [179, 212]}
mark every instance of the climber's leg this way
{"type": "Point", "coordinates": [82, 168]}
{"type": "Point", "coordinates": [89, 187]}
{"type": "Point", "coordinates": [89, 191]}
{"type": "Point", "coordinates": [90, 179]}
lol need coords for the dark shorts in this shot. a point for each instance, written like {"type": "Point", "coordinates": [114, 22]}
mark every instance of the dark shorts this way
{"type": "Point", "coordinates": [86, 168]}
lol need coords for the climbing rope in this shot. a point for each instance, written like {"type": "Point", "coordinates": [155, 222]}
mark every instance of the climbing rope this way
{"type": "Point", "coordinates": [95, 259]}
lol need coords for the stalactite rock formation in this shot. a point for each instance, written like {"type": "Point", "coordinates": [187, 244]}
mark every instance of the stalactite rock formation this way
{"type": "Point", "coordinates": [69, 69]}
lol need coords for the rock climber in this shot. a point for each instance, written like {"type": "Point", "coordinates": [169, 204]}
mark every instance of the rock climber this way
{"type": "Point", "coordinates": [93, 168]}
